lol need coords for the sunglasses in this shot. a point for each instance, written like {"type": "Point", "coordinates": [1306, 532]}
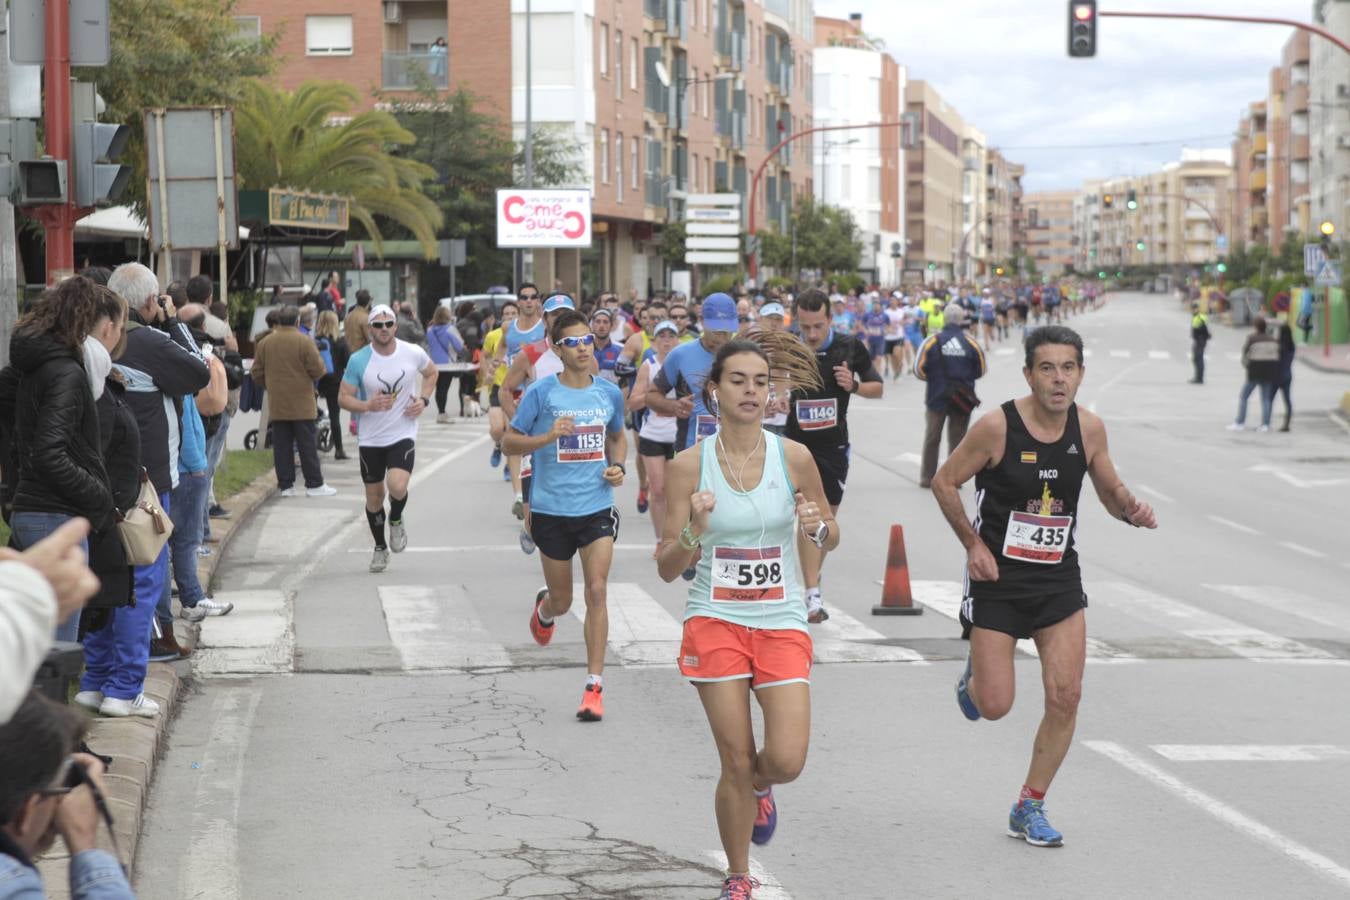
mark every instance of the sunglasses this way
{"type": "Point", "coordinates": [383, 324]}
{"type": "Point", "coordinates": [573, 343]}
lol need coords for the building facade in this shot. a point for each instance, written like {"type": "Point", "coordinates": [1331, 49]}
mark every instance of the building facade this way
{"type": "Point", "coordinates": [1050, 231]}
{"type": "Point", "coordinates": [1003, 199]}
{"type": "Point", "coordinates": [934, 187]}
{"type": "Point", "coordinates": [858, 83]}
{"type": "Point", "coordinates": [973, 259]}
{"type": "Point", "coordinates": [1329, 118]}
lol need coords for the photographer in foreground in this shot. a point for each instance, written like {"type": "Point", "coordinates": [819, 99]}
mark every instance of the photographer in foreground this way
{"type": "Point", "coordinates": [47, 789]}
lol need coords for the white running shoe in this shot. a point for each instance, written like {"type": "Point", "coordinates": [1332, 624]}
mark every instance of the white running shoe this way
{"type": "Point", "coordinates": [142, 706]}
{"type": "Point", "coordinates": [1262, 428]}
{"type": "Point", "coordinates": [815, 609]}
{"type": "Point", "coordinates": [398, 537]}
{"type": "Point", "coordinates": [322, 490]}
{"type": "Point", "coordinates": [289, 492]}
{"type": "Point", "coordinates": [90, 700]}
{"type": "Point", "coordinates": [380, 560]}
{"type": "Point", "coordinates": [1236, 426]}
{"type": "Point", "coordinates": [214, 607]}
{"type": "Point", "coordinates": [192, 613]}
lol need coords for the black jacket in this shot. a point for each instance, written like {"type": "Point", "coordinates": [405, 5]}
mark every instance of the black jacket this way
{"type": "Point", "coordinates": [160, 369]}
{"type": "Point", "coordinates": [56, 452]}
{"type": "Point", "coordinates": [121, 442]}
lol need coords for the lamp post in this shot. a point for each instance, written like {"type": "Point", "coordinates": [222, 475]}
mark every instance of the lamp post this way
{"type": "Point", "coordinates": [825, 165]}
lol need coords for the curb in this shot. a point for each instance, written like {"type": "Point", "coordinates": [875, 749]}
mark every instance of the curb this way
{"type": "Point", "coordinates": [134, 744]}
{"type": "Point", "coordinates": [1316, 362]}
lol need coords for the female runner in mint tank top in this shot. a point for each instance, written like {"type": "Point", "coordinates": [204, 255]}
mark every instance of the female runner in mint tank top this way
{"type": "Point", "coordinates": [736, 503]}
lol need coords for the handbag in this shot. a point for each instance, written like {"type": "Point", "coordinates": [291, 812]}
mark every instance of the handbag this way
{"type": "Point", "coordinates": [146, 527]}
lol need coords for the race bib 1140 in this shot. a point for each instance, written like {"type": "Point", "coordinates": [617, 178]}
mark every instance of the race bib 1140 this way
{"type": "Point", "coordinates": [704, 427]}
{"type": "Point", "coordinates": [585, 444]}
{"type": "Point", "coordinates": [815, 415]}
{"type": "Point", "coordinates": [1037, 539]}
{"type": "Point", "coordinates": [753, 574]}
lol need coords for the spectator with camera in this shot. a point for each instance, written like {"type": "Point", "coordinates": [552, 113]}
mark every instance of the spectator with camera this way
{"type": "Point", "coordinates": [47, 789]}
{"type": "Point", "coordinates": [216, 340]}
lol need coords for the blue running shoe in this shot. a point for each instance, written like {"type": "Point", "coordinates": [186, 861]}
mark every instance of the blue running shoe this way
{"type": "Point", "coordinates": [526, 542]}
{"type": "Point", "coordinates": [766, 819]}
{"type": "Point", "coordinates": [496, 459]}
{"type": "Point", "coordinates": [1027, 821]}
{"type": "Point", "coordinates": [968, 707]}
{"type": "Point", "coordinates": [506, 473]}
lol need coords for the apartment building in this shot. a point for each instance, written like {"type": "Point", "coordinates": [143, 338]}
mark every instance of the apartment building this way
{"type": "Point", "coordinates": [1050, 230]}
{"type": "Point", "coordinates": [935, 209]}
{"type": "Point", "coordinates": [858, 83]}
{"type": "Point", "coordinates": [1329, 118]}
{"type": "Point", "coordinates": [1250, 215]}
{"type": "Point", "coordinates": [1003, 199]}
{"type": "Point", "coordinates": [973, 258]}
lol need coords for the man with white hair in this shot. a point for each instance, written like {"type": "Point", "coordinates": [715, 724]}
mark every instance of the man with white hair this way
{"type": "Point", "coordinates": [950, 361]}
{"type": "Point", "coordinates": [161, 365]}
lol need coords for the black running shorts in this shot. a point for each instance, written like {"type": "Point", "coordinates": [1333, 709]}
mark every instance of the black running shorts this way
{"type": "Point", "coordinates": [494, 396]}
{"type": "Point", "coordinates": [655, 448]}
{"type": "Point", "coordinates": [832, 463]}
{"type": "Point", "coordinates": [560, 537]}
{"type": "Point", "coordinates": [376, 461]}
{"type": "Point", "coordinates": [1022, 617]}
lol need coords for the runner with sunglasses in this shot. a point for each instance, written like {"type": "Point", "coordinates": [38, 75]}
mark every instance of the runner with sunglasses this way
{"type": "Point", "coordinates": [380, 382]}
{"type": "Point", "coordinates": [572, 424]}
{"type": "Point", "coordinates": [528, 328]}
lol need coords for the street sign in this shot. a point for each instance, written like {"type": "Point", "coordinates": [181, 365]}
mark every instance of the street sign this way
{"type": "Point", "coordinates": [712, 214]}
{"type": "Point", "coordinates": [713, 243]}
{"type": "Point", "coordinates": [712, 224]}
{"type": "Point", "coordinates": [712, 257]}
{"type": "Point", "coordinates": [90, 44]}
{"type": "Point", "coordinates": [1328, 274]}
{"type": "Point", "coordinates": [1313, 257]}
{"type": "Point", "coordinates": [1221, 242]}
{"type": "Point", "coordinates": [543, 218]}
{"type": "Point", "coordinates": [713, 200]}
{"type": "Point", "coordinates": [721, 229]}
{"type": "Point", "coordinates": [191, 198]}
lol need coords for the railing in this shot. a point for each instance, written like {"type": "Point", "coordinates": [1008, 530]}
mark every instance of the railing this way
{"type": "Point", "coordinates": [405, 70]}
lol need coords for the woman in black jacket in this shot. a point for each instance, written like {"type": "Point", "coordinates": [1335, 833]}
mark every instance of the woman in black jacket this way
{"type": "Point", "coordinates": [330, 340]}
{"type": "Point", "coordinates": [56, 440]}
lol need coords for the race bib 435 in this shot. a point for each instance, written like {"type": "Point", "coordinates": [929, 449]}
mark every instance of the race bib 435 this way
{"type": "Point", "coordinates": [1037, 539]}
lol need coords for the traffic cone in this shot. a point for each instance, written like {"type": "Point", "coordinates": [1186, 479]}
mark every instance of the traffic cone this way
{"type": "Point", "coordinates": [896, 597]}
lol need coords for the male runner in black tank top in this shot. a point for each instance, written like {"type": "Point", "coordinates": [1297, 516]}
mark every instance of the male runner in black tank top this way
{"type": "Point", "coordinates": [1028, 460]}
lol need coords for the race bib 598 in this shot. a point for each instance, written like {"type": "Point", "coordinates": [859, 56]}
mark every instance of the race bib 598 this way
{"type": "Point", "coordinates": [748, 574]}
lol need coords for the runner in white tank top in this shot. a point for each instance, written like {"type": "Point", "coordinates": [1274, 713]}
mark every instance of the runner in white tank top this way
{"type": "Point", "coordinates": [656, 437]}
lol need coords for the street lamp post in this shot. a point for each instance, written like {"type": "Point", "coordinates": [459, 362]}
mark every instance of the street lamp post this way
{"type": "Point", "coordinates": [825, 165]}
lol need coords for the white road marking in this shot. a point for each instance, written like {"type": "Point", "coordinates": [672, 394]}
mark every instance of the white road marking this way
{"type": "Point", "coordinates": [1295, 481]}
{"type": "Point", "coordinates": [1120, 354]}
{"type": "Point", "coordinates": [842, 638]}
{"type": "Point", "coordinates": [641, 632]}
{"type": "Point", "coordinates": [1236, 526]}
{"type": "Point", "coordinates": [212, 866]}
{"type": "Point", "coordinates": [258, 636]}
{"type": "Point", "coordinates": [1221, 811]}
{"type": "Point", "coordinates": [498, 548]}
{"type": "Point", "coordinates": [1110, 383]}
{"type": "Point", "coordinates": [1004, 351]}
{"type": "Point", "coordinates": [1198, 624]}
{"type": "Point", "coordinates": [770, 887]}
{"type": "Point", "coordinates": [1232, 356]}
{"type": "Point", "coordinates": [1153, 492]}
{"type": "Point", "coordinates": [437, 628]}
{"type": "Point", "coordinates": [1159, 354]}
{"type": "Point", "coordinates": [1300, 548]}
{"type": "Point", "coordinates": [1324, 612]}
{"type": "Point", "coordinates": [1339, 421]}
{"type": "Point", "coordinates": [1250, 752]}
{"type": "Point", "coordinates": [914, 458]}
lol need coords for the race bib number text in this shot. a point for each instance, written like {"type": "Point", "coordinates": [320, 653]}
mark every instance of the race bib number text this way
{"type": "Point", "coordinates": [815, 415]}
{"type": "Point", "coordinates": [585, 444]}
{"type": "Point", "coordinates": [1037, 539]}
{"type": "Point", "coordinates": [752, 574]}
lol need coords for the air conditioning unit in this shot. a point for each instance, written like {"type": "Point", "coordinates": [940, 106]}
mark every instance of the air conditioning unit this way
{"type": "Point", "coordinates": [393, 12]}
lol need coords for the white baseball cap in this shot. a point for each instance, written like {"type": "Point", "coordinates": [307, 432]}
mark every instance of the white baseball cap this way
{"type": "Point", "coordinates": [381, 309]}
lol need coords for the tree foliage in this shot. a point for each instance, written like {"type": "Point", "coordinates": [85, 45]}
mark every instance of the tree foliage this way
{"type": "Point", "coordinates": [286, 139]}
{"type": "Point", "coordinates": [173, 53]}
{"type": "Point", "coordinates": [826, 238]}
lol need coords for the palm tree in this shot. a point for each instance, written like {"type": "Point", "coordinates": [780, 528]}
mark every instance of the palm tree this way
{"type": "Point", "coordinates": [305, 141]}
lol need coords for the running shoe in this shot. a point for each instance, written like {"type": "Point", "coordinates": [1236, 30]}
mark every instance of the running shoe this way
{"type": "Point", "coordinates": [815, 609]}
{"type": "Point", "coordinates": [215, 607]}
{"type": "Point", "coordinates": [518, 509]}
{"type": "Point", "coordinates": [506, 473]}
{"type": "Point", "coordinates": [495, 459]}
{"type": "Point", "coordinates": [968, 707]}
{"type": "Point", "coordinates": [526, 542]}
{"type": "Point", "coordinates": [738, 887]}
{"type": "Point", "coordinates": [766, 819]}
{"type": "Point", "coordinates": [398, 537]}
{"type": "Point", "coordinates": [1027, 822]}
{"type": "Point", "coordinates": [541, 633]}
{"type": "Point", "coordinates": [642, 500]}
{"type": "Point", "coordinates": [379, 561]}
{"type": "Point", "coordinates": [592, 704]}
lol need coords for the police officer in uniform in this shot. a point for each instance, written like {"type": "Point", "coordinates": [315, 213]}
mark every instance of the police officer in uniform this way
{"type": "Point", "coordinates": [1028, 459]}
{"type": "Point", "coordinates": [1199, 338]}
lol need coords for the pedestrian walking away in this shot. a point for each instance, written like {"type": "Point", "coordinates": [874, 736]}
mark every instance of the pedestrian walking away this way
{"type": "Point", "coordinates": [381, 383]}
{"type": "Point", "coordinates": [572, 425]}
{"type": "Point", "coordinates": [951, 362]}
{"type": "Point", "coordinates": [818, 418]}
{"type": "Point", "coordinates": [737, 504]}
{"type": "Point", "coordinates": [1199, 340]}
{"type": "Point", "coordinates": [1261, 359]}
{"type": "Point", "coordinates": [333, 351]}
{"type": "Point", "coordinates": [1023, 581]}
{"type": "Point", "coordinates": [1285, 379]}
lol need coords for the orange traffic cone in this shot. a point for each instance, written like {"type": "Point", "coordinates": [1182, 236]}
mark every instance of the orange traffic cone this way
{"type": "Point", "coordinates": [896, 597]}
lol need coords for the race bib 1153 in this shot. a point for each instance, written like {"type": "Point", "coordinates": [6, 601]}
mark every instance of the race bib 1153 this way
{"type": "Point", "coordinates": [585, 444]}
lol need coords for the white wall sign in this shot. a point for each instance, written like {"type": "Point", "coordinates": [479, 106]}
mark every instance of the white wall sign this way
{"type": "Point", "coordinates": [545, 218]}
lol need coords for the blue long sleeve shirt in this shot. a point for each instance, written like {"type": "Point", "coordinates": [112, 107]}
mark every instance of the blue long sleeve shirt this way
{"type": "Point", "coordinates": [94, 875]}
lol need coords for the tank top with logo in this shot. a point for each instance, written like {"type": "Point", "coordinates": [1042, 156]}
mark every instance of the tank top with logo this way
{"type": "Point", "coordinates": [1027, 512]}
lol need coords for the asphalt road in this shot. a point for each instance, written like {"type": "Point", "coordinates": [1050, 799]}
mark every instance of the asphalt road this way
{"type": "Point", "coordinates": [400, 735]}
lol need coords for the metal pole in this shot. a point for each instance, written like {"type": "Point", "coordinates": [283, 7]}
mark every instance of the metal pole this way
{"type": "Point", "coordinates": [9, 257]}
{"type": "Point", "coordinates": [518, 256]}
{"type": "Point", "coordinates": [1326, 323]}
{"type": "Point", "coordinates": [1249, 20]}
{"type": "Point", "coordinates": [221, 224]}
{"type": "Point", "coordinates": [59, 220]}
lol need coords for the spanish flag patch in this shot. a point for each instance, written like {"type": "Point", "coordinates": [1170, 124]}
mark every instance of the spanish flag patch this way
{"type": "Point", "coordinates": [1029, 456]}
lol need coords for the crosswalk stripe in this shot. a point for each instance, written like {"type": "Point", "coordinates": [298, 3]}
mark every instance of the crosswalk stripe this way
{"type": "Point", "coordinates": [1230, 634]}
{"type": "Point", "coordinates": [842, 638]}
{"type": "Point", "coordinates": [641, 632]}
{"type": "Point", "coordinates": [256, 637]}
{"type": "Point", "coordinates": [1250, 752]}
{"type": "Point", "coordinates": [770, 888]}
{"type": "Point", "coordinates": [1294, 603]}
{"type": "Point", "coordinates": [1120, 354]}
{"type": "Point", "coordinates": [1004, 351]}
{"type": "Point", "coordinates": [1159, 354]}
{"type": "Point", "coordinates": [438, 629]}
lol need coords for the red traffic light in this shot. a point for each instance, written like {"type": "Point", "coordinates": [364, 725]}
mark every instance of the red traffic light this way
{"type": "Point", "coordinates": [1082, 28]}
{"type": "Point", "coordinates": [1083, 11]}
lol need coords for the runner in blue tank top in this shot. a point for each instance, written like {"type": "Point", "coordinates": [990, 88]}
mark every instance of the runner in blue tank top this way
{"type": "Point", "coordinates": [736, 503]}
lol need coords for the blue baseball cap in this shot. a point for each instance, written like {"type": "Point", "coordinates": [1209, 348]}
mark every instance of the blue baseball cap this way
{"type": "Point", "coordinates": [557, 302]}
{"type": "Point", "coordinates": [719, 313]}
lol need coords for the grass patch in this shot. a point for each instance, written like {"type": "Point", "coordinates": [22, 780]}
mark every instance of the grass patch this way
{"type": "Point", "coordinates": [4, 534]}
{"type": "Point", "coordinates": [238, 470]}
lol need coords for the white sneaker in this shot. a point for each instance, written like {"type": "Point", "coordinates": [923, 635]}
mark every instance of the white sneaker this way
{"type": "Point", "coordinates": [322, 490]}
{"type": "Point", "coordinates": [815, 609]}
{"type": "Point", "coordinates": [193, 613]}
{"type": "Point", "coordinates": [443, 419]}
{"type": "Point", "coordinates": [1236, 426]}
{"type": "Point", "coordinates": [213, 607]}
{"type": "Point", "coordinates": [398, 537]}
{"type": "Point", "coordinates": [1262, 428]}
{"type": "Point", "coordinates": [380, 560]}
{"type": "Point", "coordinates": [142, 706]}
{"type": "Point", "coordinates": [289, 492]}
{"type": "Point", "coordinates": [90, 700]}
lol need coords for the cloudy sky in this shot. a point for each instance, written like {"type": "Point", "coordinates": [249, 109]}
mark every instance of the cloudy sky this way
{"type": "Point", "coordinates": [1004, 65]}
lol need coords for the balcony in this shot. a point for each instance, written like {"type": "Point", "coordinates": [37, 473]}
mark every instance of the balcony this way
{"type": "Point", "coordinates": [406, 70]}
{"type": "Point", "coordinates": [1257, 182]}
{"type": "Point", "coordinates": [1258, 144]}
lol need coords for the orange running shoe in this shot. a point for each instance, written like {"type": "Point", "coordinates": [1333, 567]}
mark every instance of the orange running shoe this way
{"type": "Point", "coordinates": [592, 704]}
{"type": "Point", "coordinates": [541, 633]}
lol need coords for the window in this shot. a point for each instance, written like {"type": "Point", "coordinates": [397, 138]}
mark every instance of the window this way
{"type": "Point", "coordinates": [632, 64]}
{"type": "Point", "coordinates": [604, 48]}
{"type": "Point", "coordinates": [845, 182]}
{"type": "Point", "coordinates": [618, 65]}
{"type": "Point", "coordinates": [328, 35]}
{"type": "Point", "coordinates": [634, 171]}
{"type": "Point", "coordinates": [249, 27]}
{"type": "Point", "coordinates": [604, 156]}
{"type": "Point", "coordinates": [693, 170]}
{"type": "Point", "coordinates": [693, 100]}
{"type": "Point", "coordinates": [618, 168]}
{"type": "Point", "coordinates": [874, 185]}
{"type": "Point", "coordinates": [707, 15]}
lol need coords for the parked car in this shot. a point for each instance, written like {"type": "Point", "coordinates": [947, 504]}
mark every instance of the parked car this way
{"type": "Point", "coordinates": [482, 302]}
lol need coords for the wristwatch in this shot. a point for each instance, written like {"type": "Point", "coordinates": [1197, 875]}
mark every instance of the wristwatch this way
{"type": "Point", "coordinates": [619, 466]}
{"type": "Point", "coordinates": [426, 402]}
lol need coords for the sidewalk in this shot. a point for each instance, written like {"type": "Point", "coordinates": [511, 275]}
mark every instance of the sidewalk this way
{"type": "Point", "coordinates": [133, 743]}
{"type": "Point", "coordinates": [1337, 361]}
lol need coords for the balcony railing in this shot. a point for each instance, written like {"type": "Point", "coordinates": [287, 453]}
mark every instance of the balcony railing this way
{"type": "Point", "coordinates": [406, 70]}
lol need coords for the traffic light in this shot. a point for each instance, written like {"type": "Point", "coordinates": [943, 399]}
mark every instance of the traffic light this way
{"type": "Point", "coordinates": [23, 176]}
{"type": "Point", "coordinates": [1223, 267]}
{"type": "Point", "coordinates": [1131, 201]}
{"type": "Point", "coordinates": [41, 182]}
{"type": "Point", "coordinates": [999, 271]}
{"type": "Point", "coordinates": [1101, 275]}
{"type": "Point", "coordinates": [1328, 228]}
{"type": "Point", "coordinates": [1107, 200]}
{"type": "Point", "coordinates": [1083, 28]}
{"type": "Point", "coordinates": [932, 267]}
{"type": "Point", "coordinates": [99, 178]}
{"type": "Point", "coordinates": [1139, 245]}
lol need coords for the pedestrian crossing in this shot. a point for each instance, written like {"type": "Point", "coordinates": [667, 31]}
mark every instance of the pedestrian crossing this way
{"type": "Point", "coordinates": [1155, 355]}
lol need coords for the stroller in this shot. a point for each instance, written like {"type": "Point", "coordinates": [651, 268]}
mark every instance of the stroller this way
{"type": "Point", "coordinates": [251, 398]}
